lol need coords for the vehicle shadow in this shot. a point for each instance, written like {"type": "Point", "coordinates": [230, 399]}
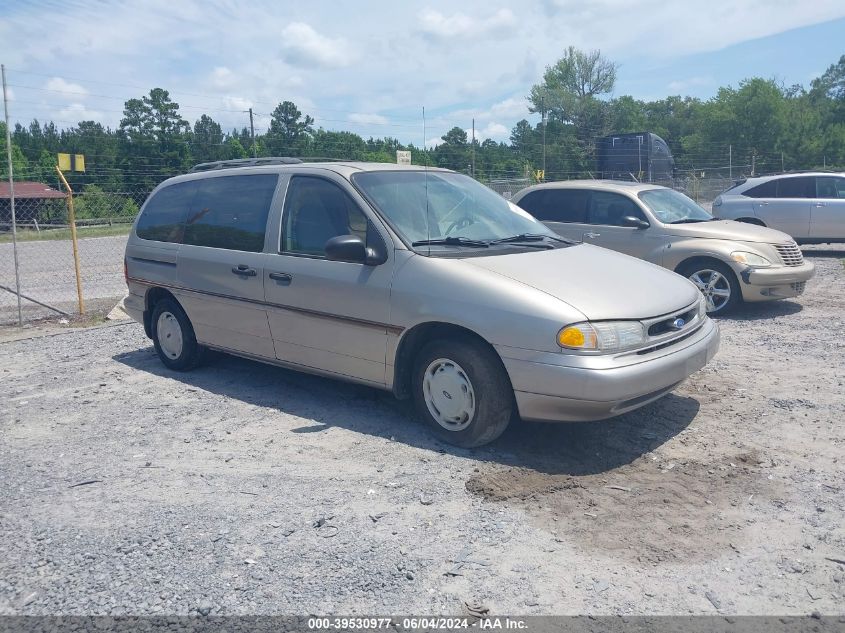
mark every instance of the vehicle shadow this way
{"type": "Point", "coordinates": [580, 448]}
{"type": "Point", "coordinates": [823, 252]}
{"type": "Point", "coordinates": [762, 310]}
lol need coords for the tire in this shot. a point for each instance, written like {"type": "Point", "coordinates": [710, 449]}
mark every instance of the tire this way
{"type": "Point", "coordinates": [701, 274]}
{"type": "Point", "coordinates": [462, 392]}
{"type": "Point", "coordinates": [173, 336]}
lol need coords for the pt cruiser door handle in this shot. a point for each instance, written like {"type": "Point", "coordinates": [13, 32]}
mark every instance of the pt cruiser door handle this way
{"type": "Point", "coordinates": [592, 235]}
{"type": "Point", "coordinates": [280, 277]}
{"type": "Point", "coordinates": [244, 271]}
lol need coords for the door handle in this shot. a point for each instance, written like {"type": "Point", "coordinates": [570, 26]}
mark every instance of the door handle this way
{"type": "Point", "coordinates": [821, 204]}
{"type": "Point", "coordinates": [592, 235]}
{"type": "Point", "coordinates": [244, 271]}
{"type": "Point", "coordinates": [280, 277]}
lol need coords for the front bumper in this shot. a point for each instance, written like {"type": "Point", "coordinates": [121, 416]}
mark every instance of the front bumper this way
{"type": "Point", "coordinates": [550, 387]}
{"type": "Point", "coordinates": [780, 282]}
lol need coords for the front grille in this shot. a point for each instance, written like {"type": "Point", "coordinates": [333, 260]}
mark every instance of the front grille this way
{"type": "Point", "coordinates": [790, 253]}
{"type": "Point", "coordinates": [799, 286]}
{"type": "Point", "coordinates": [662, 327]}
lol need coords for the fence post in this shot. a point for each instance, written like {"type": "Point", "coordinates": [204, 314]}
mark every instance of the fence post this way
{"type": "Point", "coordinates": [72, 222]}
{"type": "Point", "coordinates": [12, 197]}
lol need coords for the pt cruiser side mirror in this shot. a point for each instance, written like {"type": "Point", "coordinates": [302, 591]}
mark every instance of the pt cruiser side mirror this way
{"type": "Point", "coordinates": [353, 250]}
{"type": "Point", "coordinates": [635, 223]}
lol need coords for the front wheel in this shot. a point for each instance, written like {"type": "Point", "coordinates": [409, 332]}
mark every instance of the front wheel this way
{"type": "Point", "coordinates": [717, 282]}
{"type": "Point", "coordinates": [462, 391]}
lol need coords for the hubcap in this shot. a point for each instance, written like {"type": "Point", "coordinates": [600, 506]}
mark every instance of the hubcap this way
{"type": "Point", "coordinates": [714, 286]}
{"type": "Point", "coordinates": [169, 335]}
{"type": "Point", "coordinates": [448, 394]}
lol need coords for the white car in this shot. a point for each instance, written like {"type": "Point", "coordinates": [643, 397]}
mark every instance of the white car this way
{"type": "Point", "coordinates": [808, 206]}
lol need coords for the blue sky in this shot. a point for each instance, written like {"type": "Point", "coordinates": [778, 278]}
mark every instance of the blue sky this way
{"type": "Point", "coordinates": [371, 67]}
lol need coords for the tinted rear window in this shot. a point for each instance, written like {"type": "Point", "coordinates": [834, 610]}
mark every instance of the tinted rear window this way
{"type": "Point", "coordinates": [231, 212]}
{"type": "Point", "coordinates": [163, 219]}
{"type": "Point", "coordinates": [766, 190]}
{"type": "Point", "coordinates": [557, 205]}
{"type": "Point", "coordinates": [803, 187]}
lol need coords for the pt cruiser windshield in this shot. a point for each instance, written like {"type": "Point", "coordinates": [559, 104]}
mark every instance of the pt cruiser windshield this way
{"type": "Point", "coordinates": [672, 207]}
{"type": "Point", "coordinates": [449, 210]}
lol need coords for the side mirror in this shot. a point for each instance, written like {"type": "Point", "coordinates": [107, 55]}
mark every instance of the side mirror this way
{"type": "Point", "coordinates": [353, 250]}
{"type": "Point", "coordinates": [634, 223]}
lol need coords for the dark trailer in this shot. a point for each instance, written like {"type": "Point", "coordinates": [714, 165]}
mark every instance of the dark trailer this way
{"type": "Point", "coordinates": [642, 155]}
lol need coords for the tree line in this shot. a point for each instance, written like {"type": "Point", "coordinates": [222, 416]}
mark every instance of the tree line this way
{"type": "Point", "coordinates": [759, 125]}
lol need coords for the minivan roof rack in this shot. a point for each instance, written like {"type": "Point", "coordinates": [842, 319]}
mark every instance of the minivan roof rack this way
{"type": "Point", "coordinates": [246, 162]}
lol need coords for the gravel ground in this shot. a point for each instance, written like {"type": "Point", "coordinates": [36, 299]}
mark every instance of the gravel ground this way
{"type": "Point", "coordinates": [242, 488]}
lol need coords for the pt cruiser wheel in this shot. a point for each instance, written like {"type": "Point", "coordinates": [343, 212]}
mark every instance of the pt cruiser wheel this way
{"type": "Point", "coordinates": [462, 391]}
{"type": "Point", "coordinates": [173, 336]}
{"type": "Point", "coordinates": [717, 283]}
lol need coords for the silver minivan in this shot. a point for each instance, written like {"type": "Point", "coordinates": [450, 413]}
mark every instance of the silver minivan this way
{"type": "Point", "coordinates": [419, 281]}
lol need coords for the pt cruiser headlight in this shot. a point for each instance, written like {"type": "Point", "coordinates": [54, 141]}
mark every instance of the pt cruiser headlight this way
{"type": "Point", "coordinates": [602, 336]}
{"type": "Point", "coordinates": [750, 259]}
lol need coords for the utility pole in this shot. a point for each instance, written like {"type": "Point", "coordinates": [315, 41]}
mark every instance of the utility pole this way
{"type": "Point", "coordinates": [781, 162]}
{"type": "Point", "coordinates": [12, 196]}
{"type": "Point", "coordinates": [730, 163]}
{"type": "Point", "coordinates": [543, 121]}
{"type": "Point", "coordinates": [473, 148]}
{"type": "Point", "coordinates": [252, 133]}
{"type": "Point", "coordinates": [753, 164]}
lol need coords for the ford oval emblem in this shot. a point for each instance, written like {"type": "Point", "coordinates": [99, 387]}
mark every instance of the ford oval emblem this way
{"type": "Point", "coordinates": [678, 324]}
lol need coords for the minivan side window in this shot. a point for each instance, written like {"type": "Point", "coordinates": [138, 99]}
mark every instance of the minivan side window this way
{"type": "Point", "coordinates": [802, 187]}
{"type": "Point", "coordinates": [608, 209]}
{"type": "Point", "coordinates": [231, 212]}
{"type": "Point", "coordinates": [317, 210]}
{"type": "Point", "coordinates": [830, 187]}
{"type": "Point", "coordinates": [557, 205]}
{"type": "Point", "coordinates": [163, 218]}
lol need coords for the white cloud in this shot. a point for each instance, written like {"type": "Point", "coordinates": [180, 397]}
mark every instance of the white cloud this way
{"type": "Point", "coordinates": [438, 25]}
{"type": "Point", "coordinates": [368, 119]}
{"type": "Point", "coordinates": [495, 131]}
{"type": "Point", "coordinates": [237, 103]}
{"type": "Point", "coordinates": [678, 86]}
{"type": "Point", "coordinates": [76, 112]}
{"type": "Point", "coordinates": [222, 77]}
{"type": "Point", "coordinates": [57, 84]}
{"type": "Point", "coordinates": [433, 142]}
{"type": "Point", "coordinates": [303, 46]}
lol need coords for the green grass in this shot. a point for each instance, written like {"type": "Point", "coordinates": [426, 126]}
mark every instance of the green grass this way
{"type": "Point", "coordinates": [30, 235]}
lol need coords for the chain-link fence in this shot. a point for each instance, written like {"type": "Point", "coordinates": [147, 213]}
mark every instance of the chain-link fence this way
{"type": "Point", "coordinates": [103, 219]}
{"type": "Point", "coordinates": [45, 259]}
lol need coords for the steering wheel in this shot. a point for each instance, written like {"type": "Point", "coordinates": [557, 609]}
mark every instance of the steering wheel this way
{"type": "Point", "coordinates": [459, 224]}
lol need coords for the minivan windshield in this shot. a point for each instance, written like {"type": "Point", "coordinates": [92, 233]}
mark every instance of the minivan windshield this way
{"type": "Point", "coordinates": [673, 207]}
{"type": "Point", "coordinates": [448, 210]}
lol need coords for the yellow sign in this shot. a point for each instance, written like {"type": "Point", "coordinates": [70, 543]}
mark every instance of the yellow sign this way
{"type": "Point", "coordinates": [71, 162]}
{"type": "Point", "coordinates": [540, 175]}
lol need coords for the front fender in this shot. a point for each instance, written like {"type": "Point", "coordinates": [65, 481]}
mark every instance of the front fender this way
{"type": "Point", "coordinates": [678, 252]}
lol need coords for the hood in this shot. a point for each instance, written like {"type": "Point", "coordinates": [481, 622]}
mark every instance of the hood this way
{"type": "Point", "coordinates": [728, 230]}
{"type": "Point", "coordinates": [600, 283]}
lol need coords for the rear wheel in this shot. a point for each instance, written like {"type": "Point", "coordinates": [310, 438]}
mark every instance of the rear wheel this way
{"type": "Point", "coordinates": [462, 391]}
{"type": "Point", "coordinates": [717, 283]}
{"type": "Point", "coordinates": [173, 336]}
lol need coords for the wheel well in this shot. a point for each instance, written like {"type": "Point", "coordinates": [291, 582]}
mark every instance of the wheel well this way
{"type": "Point", "coordinates": [698, 260]}
{"type": "Point", "coordinates": [154, 295]}
{"type": "Point", "coordinates": [414, 340]}
{"type": "Point", "coordinates": [756, 221]}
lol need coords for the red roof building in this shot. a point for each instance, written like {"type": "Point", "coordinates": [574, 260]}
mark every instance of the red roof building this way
{"type": "Point", "coordinates": [27, 189]}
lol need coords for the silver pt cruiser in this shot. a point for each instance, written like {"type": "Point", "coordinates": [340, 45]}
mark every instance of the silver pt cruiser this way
{"type": "Point", "coordinates": [419, 281]}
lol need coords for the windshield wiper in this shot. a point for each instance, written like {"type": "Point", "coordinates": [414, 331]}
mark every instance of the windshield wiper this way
{"type": "Point", "coordinates": [452, 241]}
{"type": "Point", "coordinates": [688, 221]}
{"type": "Point", "coordinates": [530, 237]}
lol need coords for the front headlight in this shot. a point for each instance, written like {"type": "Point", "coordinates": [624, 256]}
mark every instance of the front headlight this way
{"type": "Point", "coordinates": [750, 259]}
{"type": "Point", "coordinates": [602, 336]}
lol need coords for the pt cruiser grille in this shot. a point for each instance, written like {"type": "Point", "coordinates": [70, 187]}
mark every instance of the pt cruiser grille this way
{"type": "Point", "coordinates": [790, 253]}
